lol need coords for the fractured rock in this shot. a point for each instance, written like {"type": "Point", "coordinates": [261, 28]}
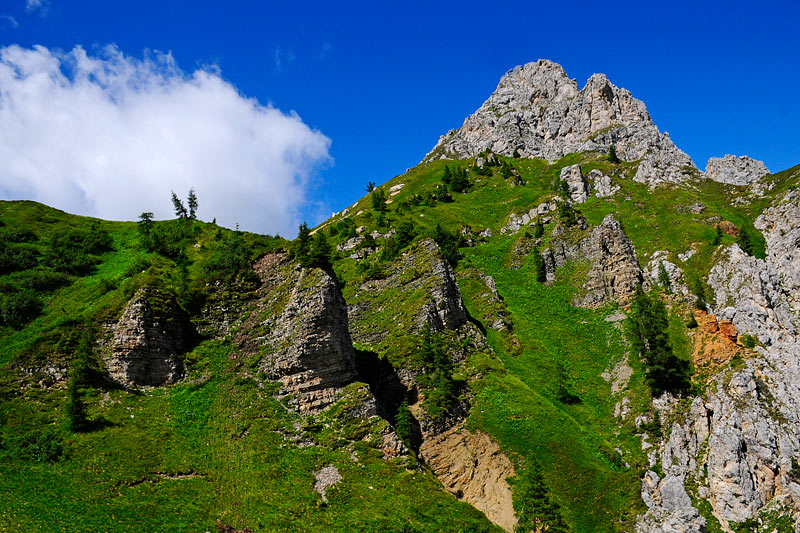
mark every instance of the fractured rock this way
{"type": "Point", "coordinates": [734, 170]}
{"type": "Point", "coordinates": [148, 338]}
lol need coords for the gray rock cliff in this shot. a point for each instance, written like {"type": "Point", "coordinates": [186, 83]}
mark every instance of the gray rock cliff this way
{"type": "Point", "coordinates": [539, 111]}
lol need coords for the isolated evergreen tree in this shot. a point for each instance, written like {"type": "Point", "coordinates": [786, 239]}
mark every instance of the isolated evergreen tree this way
{"type": "Point", "coordinates": [448, 242]}
{"type": "Point", "coordinates": [663, 278]}
{"type": "Point", "coordinates": [403, 424]}
{"type": "Point", "coordinates": [538, 228]}
{"type": "Point", "coordinates": [458, 180]}
{"type": "Point", "coordinates": [77, 417]}
{"type": "Point", "coordinates": [564, 393]}
{"type": "Point", "coordinates": [447, 176]}
{"type": "Point", "coordinates": [539, 271]}
{"type": "Point", "coordinates": [745, 242]}
{"type": "Point", "coordinates": [301, 247]}
{"type": "Point", "coordinates": [535, 510]}
{"type": "Point", "coordinates": [515, 155]}
{"type": "Point", "coordinates": [567, 214]}
{"type": "Point", "coordinates": [180, 209]}
{"type": "Point", "coordinates": [647, 330]}
{"type": "Point", "coordinates": [378, 200]}
{"type": "Point", "coordinates": [192, 204]}
{"type": "Point", "coordinates": [320, 253]}
{"type": "Point", "coordinates": [700, 294]}
{"type": "Point", "coordinates": [717, 236]}
{"type": "Point", "coordinates": [370, 186]}
{"type": "Point", "coordinates": [612, 154]}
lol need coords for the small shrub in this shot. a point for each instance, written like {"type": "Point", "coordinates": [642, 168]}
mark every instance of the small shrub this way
{"type": "Point", "coordinates": [40, 446]}
{"type": "Point", "coordinates": [748, 341]}
{"type": "Point", "coordinates": [18, 309]}
{"type": "Point", "coordinates": [691, 323]}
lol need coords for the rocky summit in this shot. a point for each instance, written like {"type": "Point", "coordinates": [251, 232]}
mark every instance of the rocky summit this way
{"type": "Point", "coordinates": [555, 322]}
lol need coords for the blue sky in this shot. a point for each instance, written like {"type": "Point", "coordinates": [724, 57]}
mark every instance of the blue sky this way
{"type": "Point", "coordinates": [382, 81]}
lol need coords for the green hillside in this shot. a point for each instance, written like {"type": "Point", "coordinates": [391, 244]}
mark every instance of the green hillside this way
{"type": "Point", "coordinates": [219, 449]}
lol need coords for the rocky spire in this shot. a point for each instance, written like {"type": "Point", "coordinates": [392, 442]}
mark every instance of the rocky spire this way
{"type": "Point", "coordinates": [539, 111]}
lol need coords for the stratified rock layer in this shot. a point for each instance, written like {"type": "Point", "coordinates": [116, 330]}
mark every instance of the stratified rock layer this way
{"type": "Point", "coordinates": [614, 270]}
{"type": "Point", "coordinates": [303, 336]}
{"type": "Point", "coordinates": [147, 340]}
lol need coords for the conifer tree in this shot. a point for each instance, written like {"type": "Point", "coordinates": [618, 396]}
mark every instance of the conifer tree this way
{"type": "Point", "coordinates": [745, 242]}
{"type": "Point", "coordinates": [612, 154]}
{"type": "Point", "coordinates": [535, 510]}
{"type": "Point", "coordinates": [663, 278]}
{"type": "Point", "coordinates": [301, 247]}
{"type": "Point", "coordinates": [193, 205]}
{"type": "Point", "coordinates": [320, 253]}
{"type": "Point", "coordinates": [538, 228]}
{"type": "Point", "coordinates": [539, 271]}
{"type": "Point", "coordinates": [180, 209]}
{"type": "Point", "coordinates": [647, 330]}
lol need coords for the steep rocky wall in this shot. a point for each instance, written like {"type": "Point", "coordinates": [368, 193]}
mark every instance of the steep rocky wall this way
{"type": "Point", "coordinates": [739, 445]}
{"type": "Point", "coordinates": [614, 270]}
{"type": "Point", "coordinates": [300, 329]}
{"type": "Point", "coordinates": [148, 339]}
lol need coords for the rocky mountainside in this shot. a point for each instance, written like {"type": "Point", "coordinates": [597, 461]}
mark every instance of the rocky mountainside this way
{"type": "Point", "coordinates": [556, 322]}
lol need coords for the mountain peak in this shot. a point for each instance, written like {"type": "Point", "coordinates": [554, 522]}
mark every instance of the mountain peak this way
{"type": "Point", "coordinates": [537, 110]}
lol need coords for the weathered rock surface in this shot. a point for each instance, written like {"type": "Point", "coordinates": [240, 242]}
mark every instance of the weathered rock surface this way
{"type": "Point", "coordinates": [674, 272]}
{"type": "Point", "coordinates": [614, 268]}
{"type": "Point", "coordinates": [543, 211]}
{"type": "Point", "coordinates": [471, 466]}
{"type": "Point", "coordinates": [540, 112]}
{"type": "Point", "coordinates": [751, 419]}
{"type": "Point", "coordinates": [325, 478]}
{"type": "Point", "coordinates": [601, 184]}
{"type": "Point", "coordinates": [576, 183]}
{"type": "Point", "coordinates": [734, 170]}
{"type": "Point", "coordinates": [148, 339]}
{"type": "Point", "coordinates": [615, 271]}
{"type": "Point", "coordinates": [431, 296]}
{"type": "Point", "coordinates": [303, 336]}
{"type": "Point", "coordinates": [780, 226]}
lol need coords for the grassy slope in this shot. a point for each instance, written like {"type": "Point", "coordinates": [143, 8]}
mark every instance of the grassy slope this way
{"type": "Point", "coordinates": [219, 437]}
{"type": "Point", "coordinates": [515, 400]}
{"type": "Point", "coordinates": [227, 430]}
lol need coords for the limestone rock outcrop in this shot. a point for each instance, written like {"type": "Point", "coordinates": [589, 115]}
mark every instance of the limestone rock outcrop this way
{"type": "Point", "coordinates": [780, 225]}
{"type": "Point", "coordinates": [148, 340]}
{"type": "Point", "coordinates": [576, 183]}
{"type": "Point", "coordinates": [615, 271]}
{"type": "Point", "coordinates": [601, 184]}
{"type": "Point", "coordinates": [751, 418]}
{"type": "Point", "coordinates": [300, 329]}
{"type": "Point", "coordinates": [538, 111]}
{"type": "Point", "coordinates": [735, 170]}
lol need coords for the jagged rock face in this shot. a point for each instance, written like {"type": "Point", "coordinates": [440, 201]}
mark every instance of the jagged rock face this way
{"type": "Point", "coordinates": [780, 226]}
{"type": "Point", "coordinates": [615, 270]}
{"type": "Point", "coordinates": [148, 339]}
{"type": "Point", "coordinates": [540, 112]}
{"type": "Point", "coordinates": [576, 183]}
{"type": "Point", "coordinates": [734, 170]}
{"type": "Point", "coordinates": [751, 419]}
{"type": "Point", "coordinates": [471, 466]}
{"type": "Point", "coordinates": [446, 308]}
{"type": "Point", "coordinates": [601, 184]}
{"type": "Point", "coordinates": [304, 342]}
{"type": "Point", "coordinates": [674, 272]}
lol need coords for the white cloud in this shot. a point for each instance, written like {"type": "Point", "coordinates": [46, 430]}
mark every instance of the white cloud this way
{"type": "Point", "coordinates": [42, 6]}
{"type": "Point", "coordinates": [8, 20]}
{"type": "Point", "coordinates": [110, 136]}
